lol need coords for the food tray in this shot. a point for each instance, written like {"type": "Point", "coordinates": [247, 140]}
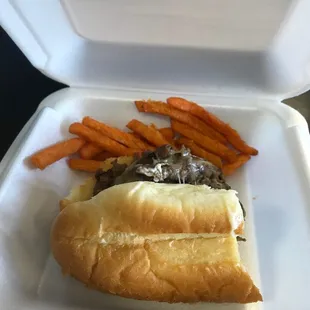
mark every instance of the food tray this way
{"type": "Point", "coordinates": [277, 250]}
{"type": "Point", "coordinates": [242, 52]}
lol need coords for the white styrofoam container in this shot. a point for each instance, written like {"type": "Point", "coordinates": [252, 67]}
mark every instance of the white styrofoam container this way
{"type": "Point", "coordinates": [237, 58]}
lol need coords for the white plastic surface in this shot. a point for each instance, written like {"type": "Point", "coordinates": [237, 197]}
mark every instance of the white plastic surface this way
{"type": "Point", "coordinates": [273, 186]}
{"type": "Point", "coordinates": [252, 49]}
{"type": "Point", "coordinates": [245, 48]}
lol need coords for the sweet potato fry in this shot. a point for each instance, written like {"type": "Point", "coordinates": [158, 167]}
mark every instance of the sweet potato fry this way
{"type": "Point", "coordinates": [154, 126]}
{"type": "Point", "coordinates": [167, 133]}
{"type": "Point", "coordinates": [89, 151]}
{"type": "Point", "coordinates": [229, 169]}
{"type": "Point", "coordinates": [144, 143]}
{"type": "Point", "coordinates": [51, 154]}
{"type": "Point", "coordinates": [230, 134]}
{"type": "Point", "coordinates": [200, 152]}
{"type": "Point", "coordinates": [103, 156]}
{"type": "Point", "coordinates": [104, 142]}
{"type": "Point", "coordinates": [87, 165]}
{"type": "Point", "coordinates": [113, 133]}
{"type": "Point", "coordinates": [93, 165]}
{"type": "Point", "coordinates": [147, 132]}
{"type": "Point", "coordinates": [162, 108]}
{"type": "Point", "coordinates": [205, 142]}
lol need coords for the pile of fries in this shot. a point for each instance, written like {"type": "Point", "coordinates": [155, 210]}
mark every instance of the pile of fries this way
{"type": "Point", "coordinates": [191, 125]}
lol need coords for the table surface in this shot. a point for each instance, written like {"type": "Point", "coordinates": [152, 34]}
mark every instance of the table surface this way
{"type": "Point", "coordinates": [22, 88]}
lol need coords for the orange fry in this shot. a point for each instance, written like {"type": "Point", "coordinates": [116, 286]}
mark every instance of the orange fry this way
{"type": "Point", "coordinates": [104, 142]}
{"type": "Point", "coordinates": [92, 165]}
{"type": "Point", "coordinates": [229, 169]}
{"type": "Point", "coordinates": [87, 165]}
{"type": "Point", "coordinates": [167, 133]}
{"type": "Point", "coordinates": [51, 154]}
{"type": "Point", "coordinates": [89, 151]}
{"type": "Point", "coordinates": [183, 117]}
{"type": "Point", "coordinates": [113, 133]}
{"type": "Point", "coordinates": [146, 145]}
{"type": "Point", "coordinates": [205, 142]}
{"type": "Point", "coordinates": [200, 152]}
{"type": "Point", "coordinates": [230, 134]}
{"type": "Point", "coordinates": [103, 156]}
{"type": "Point", "coordinates": [154, 126]}
{"type": "Point", "coordinates": [147, 132]}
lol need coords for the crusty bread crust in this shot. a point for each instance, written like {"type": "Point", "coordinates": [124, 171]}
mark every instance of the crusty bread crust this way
{"type": "Point", "coordinates": [184, 270]}
{"type": "Point", "coordinates": [160, 242]}
{"type": "Point", "coordinates": [153, 208]}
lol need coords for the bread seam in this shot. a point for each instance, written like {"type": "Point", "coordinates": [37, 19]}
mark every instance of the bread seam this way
{"type": "Point", "coordinates": [144, 238]}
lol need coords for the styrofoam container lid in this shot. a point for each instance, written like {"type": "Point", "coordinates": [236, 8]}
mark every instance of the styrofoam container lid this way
{"type": "Point", "coordinates": [237, 47]}
{"type": "Point", "coordinates": [240, 51]}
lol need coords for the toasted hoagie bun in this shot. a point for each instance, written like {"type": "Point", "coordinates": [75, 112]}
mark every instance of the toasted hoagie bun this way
{"type": "Point", "coordinates": [153, 208]}
{"type": "Point", "coordinates": [160, 242]}
{"type": "Point", "coordinates": [168, 268]}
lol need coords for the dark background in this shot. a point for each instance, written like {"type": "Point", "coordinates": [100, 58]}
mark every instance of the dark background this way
{"type": "Point", "coordinates": [22, 88]}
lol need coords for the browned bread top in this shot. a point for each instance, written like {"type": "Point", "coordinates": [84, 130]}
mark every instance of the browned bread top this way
{"type": "Point", "coordinates": [154, 208]}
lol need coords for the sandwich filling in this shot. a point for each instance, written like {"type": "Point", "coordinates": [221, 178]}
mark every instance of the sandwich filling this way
{"type": "Point", "coordinates": [164, 165]}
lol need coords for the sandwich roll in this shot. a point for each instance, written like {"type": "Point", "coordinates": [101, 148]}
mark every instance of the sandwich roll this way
{"type": "Point", "coordinates": [168, 268]}
{"type": "Point", "coordinates": [154, 241]}
{"type": "Point", "coordinates": [153, 208]}
{"type": "Point", "coordinates": [81, 192]}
